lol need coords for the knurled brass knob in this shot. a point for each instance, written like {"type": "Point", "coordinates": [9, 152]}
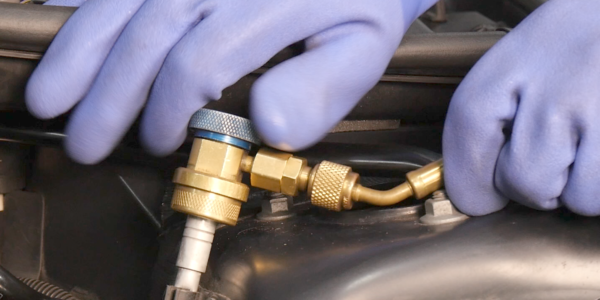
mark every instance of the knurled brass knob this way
{"type": "Point", "coordinates": [206, 205]}
{"type": "Point", "coordinates": [330, 186]}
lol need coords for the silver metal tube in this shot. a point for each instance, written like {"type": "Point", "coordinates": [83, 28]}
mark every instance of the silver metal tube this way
{"type": "Point", "coordinates": [194, 252]}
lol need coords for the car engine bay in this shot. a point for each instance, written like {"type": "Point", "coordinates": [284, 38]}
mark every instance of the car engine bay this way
{"type": "Point", "coordinates": [109, 231]}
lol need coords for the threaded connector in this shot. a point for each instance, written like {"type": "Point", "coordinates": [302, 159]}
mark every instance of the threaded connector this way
{"type": "Point", "coordinates": [330, 186]}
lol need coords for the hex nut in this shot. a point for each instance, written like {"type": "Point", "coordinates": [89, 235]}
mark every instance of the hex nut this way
{"type": "Point", "coordinates": [440, 212]}
{"type": "Point", "coordinates": [277, 207]}
{"type": "Point", "coordinates": [268, 168]}
{"type": "Point", "coordinates": [216, 159]}
{"type": "Point", "coordinates": [439, 207]}
{"type": "Point", "coordinates": [276, 171]}
{"type": "Point", "coordinates": [291, 175]}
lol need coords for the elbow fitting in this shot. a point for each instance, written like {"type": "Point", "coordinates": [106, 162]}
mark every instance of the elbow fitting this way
{"type": "Point", "coordinates": [334, 186]}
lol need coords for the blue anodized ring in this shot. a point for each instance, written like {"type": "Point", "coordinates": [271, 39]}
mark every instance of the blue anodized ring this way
{"type": "Point", "coordinates": [223, 138]}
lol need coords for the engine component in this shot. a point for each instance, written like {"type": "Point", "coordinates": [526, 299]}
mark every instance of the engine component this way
{"type": "Point", "coordinates": [209, 189]}
{"type": "Point", "coordinates": [173, 293]}
{"type": "Point", "coordinates": [276, 207]}
{"type": "Point", "coordinates": [439, 210]}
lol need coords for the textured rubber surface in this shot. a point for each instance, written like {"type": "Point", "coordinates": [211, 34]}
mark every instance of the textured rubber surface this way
{"type": "Point", "coordinates": [223, 123]}
{"type": "Point", "coordinates": [48, 289]}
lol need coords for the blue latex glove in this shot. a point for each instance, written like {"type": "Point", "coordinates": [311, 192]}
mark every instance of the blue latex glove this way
{"type": "Point", "coordinates": [523, 125]}
{"type": "Point", "coordinates": [113, 55]}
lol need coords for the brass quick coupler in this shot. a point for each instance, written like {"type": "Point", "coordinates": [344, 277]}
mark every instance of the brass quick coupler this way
{"type": "Point", "coordinates": [210, 186]}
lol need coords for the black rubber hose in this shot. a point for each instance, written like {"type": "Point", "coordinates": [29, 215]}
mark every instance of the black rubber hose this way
{"type": "Point", "coordinates": [11, 288]}
{"type": "Point", "coordinates": [375, 160]}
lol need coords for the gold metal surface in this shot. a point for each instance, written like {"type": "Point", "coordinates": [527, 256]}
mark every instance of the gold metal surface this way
{"type": "Point", "coordinates": [427, 179]}
{"type": "Point", "coordinates": [335, 186]}
{"type": "Point", "coordinates": [332, 185]}
{"type": "Point", "coordinates": [382, 198]}
{"type": "Point", "coordinates": [277, 172]}
{"type": "Point", "coordinates": [206, 204]}
{"type": "Point", "coordinates": [210, 186]}
{"type": "Point", "coordinates": [216, 159]}
{"type": "Point", "coordinates": [231, 189]}
{"type": "Point", "coordinates": [303, 178]}
{"type": "Point", "coordinates": [419, 183]}
{"type": "Point", "coordinates": [291, 175]}
{"type": "Point", "coordinates": [349, 184]}
{"type": "Point", "coordinates": [247, 162]}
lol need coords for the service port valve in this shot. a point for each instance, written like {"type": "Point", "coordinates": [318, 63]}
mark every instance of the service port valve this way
{"type": "Point", "coordinates": [210, 191]}
{"type": "Point", "coordinates": [209, 188]}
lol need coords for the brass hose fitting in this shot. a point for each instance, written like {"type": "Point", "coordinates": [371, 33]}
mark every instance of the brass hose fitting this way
{"type": "Point", "coordinates": [210, 186]}
{"type": "Point", "coordinates": [334, 186]}
{"type": "Point", "coordinates": [210, 190]}
{"type": "Point", "coordinates": [419, 183]}
{"type": "Point", "coordinates": [330, 186]}
{"type": "Point", "coordinates": [278, 172]}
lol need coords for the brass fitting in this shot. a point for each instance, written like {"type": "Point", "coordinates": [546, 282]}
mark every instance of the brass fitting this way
{"type": "Point", "coordinates": [334, 186]}
{"type": "Point", "coordinates": [210, 186]}
{"type": "Point", "coordinates": [330, 186]}
{"type": "Point", "coordinates": [278, 172]}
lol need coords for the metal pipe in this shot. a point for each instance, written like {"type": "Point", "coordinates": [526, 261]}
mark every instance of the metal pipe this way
{"type": "Point", "coordinates": [194, 252]}
{"type": "Point", "coordinates": [335, 187]}
{"type": "Point", "coordinates": [32, 28]}
{"type": "Point", "coordinates": [439, 16]}
{"type": "Point", "coordinates": [382, 198]}
{"type": "Point", "coordinates": [419, 183]}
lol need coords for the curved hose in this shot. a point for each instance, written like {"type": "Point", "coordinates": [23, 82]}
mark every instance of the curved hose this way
{"type": "Point", "coordinates": [367, 160]}
{"type": "Point", "coordinates": [48, 289]}
{"type": "Point", "coordinates": [11, 288]}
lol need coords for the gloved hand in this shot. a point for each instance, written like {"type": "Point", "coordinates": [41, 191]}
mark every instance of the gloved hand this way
{"type": "Point", "coordinates": [523, 124]}
{"type": "Point", "coordinates": [113, 55]}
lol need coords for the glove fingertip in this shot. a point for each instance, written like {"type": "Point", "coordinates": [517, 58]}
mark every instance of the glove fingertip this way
{"type": "Point", "coordinates": [287, 116]}
{"type": "Point", "coordinates": [88, 140]}
{"type": "Point", "coordinates": [162, 148]}
{"type": "Point", "coordinates": [83, 153]}
{"type": "Point", "coordinates": [35, 100]}
{"type": "Point", "coordinates": [160, 142]}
